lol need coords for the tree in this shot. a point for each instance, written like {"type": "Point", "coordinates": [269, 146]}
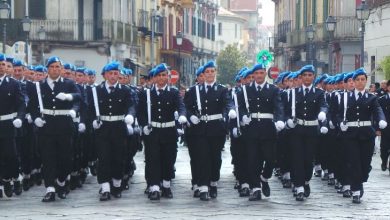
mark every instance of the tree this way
{"type": "Point", "coordinates": [385, 64]}
{"type": "Point", "coordinates": [230, 61]}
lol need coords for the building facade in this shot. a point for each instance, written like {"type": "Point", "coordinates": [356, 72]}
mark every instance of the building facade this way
{"type": "Point", "coordinates": [230, 30]}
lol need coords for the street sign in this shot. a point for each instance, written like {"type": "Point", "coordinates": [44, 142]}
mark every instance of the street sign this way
{"type": "Point", "coordinates": [174, 77]}
{"type": "Point", "coordinates": [273, 72]}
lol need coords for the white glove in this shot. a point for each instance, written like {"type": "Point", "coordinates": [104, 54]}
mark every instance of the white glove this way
{"type": "Point", "coordinates": [322, 116]}
{"type": "Point", "coordinates": [195, 120]}
{"type": "Point", "coordinates": [324, 130]}
{"type": "Point", "coordinates": [72, 113]}
{"type": "Point", "coordinates": [81, 127]}
{"type": "Point", "coordinates": [130, 129]}
{"type": "Point", "coordinates": [182, 119]}
{"type": "Point", "coordinates": [232, 114]}
{"type": "Point", "coordinates": [180, 131]}
{"type": "Point", "coordinates": [96, 125]}
{"type": "Point", "coordinates": [64, 96]}
{"type": "Point", "coordinates": [343, 127]}
{"type": "Point", "coordinates": [331, 125]}
{"type": "Point", "coordinates": [382, 124]}
{"type": "Point", "coordinates": [290, 123]}
{"type": "Point", "coordinates": [39, 122]}
{"type": "Point", "coordinates": [17, 123]}
{"type": "Point", "coordinates": [246, 120]}
{"type": "Point", "coordinates": [279, 125]}
{"type": "Point", "coordinates": [129, 119]}
{"type": "Point", "coordinates": [29, 119]}
{"type": "Point", "coordinates": [235, 132]}
{"type": "Point", "coordinates": [147, 130]}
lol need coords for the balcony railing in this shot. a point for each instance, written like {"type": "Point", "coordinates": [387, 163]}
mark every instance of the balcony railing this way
{"type": "Point", "coordinates": [74, 30]}
{"type": "Point", "coordinates": [347, 28]}
{"type": "Point", "coordinates": [283, 29]}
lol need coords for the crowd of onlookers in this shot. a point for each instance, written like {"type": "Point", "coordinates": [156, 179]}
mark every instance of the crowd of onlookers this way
{"type": "Point", "coordinates": [379, 88]}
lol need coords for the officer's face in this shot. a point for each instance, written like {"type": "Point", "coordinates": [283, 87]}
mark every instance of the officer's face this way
{"type": "Point", "coordinates": [210, 74]}
{"type": "Point", "coordinates": [67, 74]}
{"type": "Point", "coordinates": [18, 72]}
{"type": "Point", "coordinates": [112, 76]}
{"type": "Point", "coordinates": [54, 70]}
{"type": "Point", "coordinates": [161, 79]}
{"type": "Point", "coordinates": [201, 78]}
{"type": "Point", "coordinates": [3, 68]}
{"type": "Point", "coordinates": [28, 74]}
{"type": "Point", "coordinates": [259, 76]}
{"type": "Point", "coordinates": [10, 68]}
{"type": "Point", "coordinates": [39, 76]}
{"type": "Point", "coordinates": [79, 78]}
{"type": "Point", "coordinates": [307, 78]}
{"type": "Point", "coordinates": [360, 82]}
{"type": "Point", "coordinates": [122, 79]}
{"type": "Point", "coordinates": [91, 79]}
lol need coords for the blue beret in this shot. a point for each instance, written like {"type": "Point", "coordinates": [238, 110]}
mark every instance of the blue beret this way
{"type": "Point", "coordinates": [111, 66]}
{"type": "Point", "coordinates": [68, 66]}
{"type": "Point", "coordinates": [290, 75]}
{"type": "Point", "coordinates": [323, 77]}
{"type": "Point", "coordinates": [258, 66]}
{"type": "Point", "coordinates": [128, 71]}
{"type": "Point", "coordinates": [10, 59]}
{"type": "Point", "coordinates": [316, 81]}
{"type": "Point", "coordinates": [307, 68]}
{"type": "Point", "coordinates": [90, 72]}
{"type": "Point", "coordinates": [242, 70]}
{"type": "Point", "coordinates": [237, 78]}
{"type": "Point", "coordinates": [18, 62]}
{"type": "Point", "coordinates": [199, 71]}
{"type": "Point", "coordinates": [162, 67]}
{"type": "Point", "coordinates": [3, 57]}
{"type": "Point", "coordinates": [41, 69]}
{"type": "Point", "coordinates": [327, 80]}
{"type": "Point", "coordinates": [359, 72]}
{"type": "Point", "coordinates": [53, 59]}
{"type": "Point", "coordinates": [348, 76]}
{"type": "Point", "coordinates": [246, 73]}
{"type": "Point", "coordinates": [284, 76]}
{"type": "Point", "coordinates": [339, 78]}
{"type": "Point", "coordinates": [210, 64]}
{"type": "Point", "coordinates": [151, 72]}
{"type": "Point", "coordinates": [31, 67]}
{"type": "Point", "coordinates": [81, 70]}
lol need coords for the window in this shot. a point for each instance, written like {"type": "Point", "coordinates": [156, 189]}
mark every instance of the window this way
{"type": "Point", "coordinates": [37, 9]}
{"type": "Point", "coordinates": [193, 25]}
{"type": "Point", "coordinates": [219, 29]}
{"type": "Point", "coordinates": [200, 32]}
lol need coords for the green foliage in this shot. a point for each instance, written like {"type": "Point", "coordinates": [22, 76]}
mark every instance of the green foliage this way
{"type": "Point", "coordinates": [230, 61]}
{"type": "Point", "coordinates": [385, 64]}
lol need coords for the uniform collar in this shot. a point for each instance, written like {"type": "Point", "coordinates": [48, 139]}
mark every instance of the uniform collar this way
{"type": "Point", "coordinates": [307, 87]}
{"type": "Point", "coordinates": [163, 88]}
{"type": "Point", "coordinates": [108, 86]}
{"type": "Point", "coordinates": [356, 92]}
{"type": "Point", "coordinates": [49, 80]}
{"type": "Point", "coordinates": [262, 85]}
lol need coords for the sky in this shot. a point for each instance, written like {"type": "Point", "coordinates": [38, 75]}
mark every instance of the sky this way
{"type": "Point", "coordinates": [267, 12]}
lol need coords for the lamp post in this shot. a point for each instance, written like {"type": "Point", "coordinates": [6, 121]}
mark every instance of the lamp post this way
{"type": "Point", "coordinates": [310, 37]}
{"type": "Point", "coordinates": [5, 9]}
{"type": "Point", "coordinates": [42, 37]}
{"type": "Point", "coordinates": [362, 14]}
{"type": "Point", "coordinates": [179, 42]}
{"type": "Point", "coordinates": [330, 27]}
{"type": "Point", "coordinates": [26, 24]}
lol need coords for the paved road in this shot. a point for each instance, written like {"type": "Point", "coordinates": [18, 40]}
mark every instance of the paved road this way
{"type": "Point", "coordinates": [323, 203]}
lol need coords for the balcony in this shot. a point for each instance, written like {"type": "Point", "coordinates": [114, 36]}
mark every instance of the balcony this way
{"type": "Point", "coordinates": [145, 23]}
{"type": "Point", "coordinates": [283, 29]}
{"type": "Point", "coordinates": [72, 30]}
{"type": "Point", "coordinates": [347, 29]}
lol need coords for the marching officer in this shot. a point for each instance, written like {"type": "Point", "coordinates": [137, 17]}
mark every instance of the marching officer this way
{"type": "Point", "coordinates": [191, 138]}
{"type": "Point", "coordinates": [209, 109]}
{"type": "Point", "coordinates": [12, 115]}
{"type": "Point", "coordinates": [159, 130]}
{"type": "Point", "coordinates": [261, 110]}
{"type": "Point", "coordinates": [384, 102]}
{"type": "Point", "coordinates": [56, 100]}
{"type": "Point", "coordinates": [308, 106]}
{"type": "Point", "coordinates": [114, 111]}
{"type": "Point", "coordinates": [357, 109]}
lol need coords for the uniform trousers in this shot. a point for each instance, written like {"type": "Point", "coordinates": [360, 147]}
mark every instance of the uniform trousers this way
{"type": "Point", "coordinates": [358, 160]}
{"type": "Point", "coordinates": [8, 158]}
{"type": "Point", "coordinates": [194, 158]}
{"type": "Point", "coordinates": [303, 150]}
{"type": "Point", "coordinates": [160, 156]}
{"type": "Point", "coordinates": [385, 148]}
{"type": "Point", "coordinates": [260, 159]}
{"type": "Point", "coordinates": [27, 150]}
{"type": "Point", "coordinates": [210, 148]}
{"type": "Point", "coordinates": [57, 157]}
{"type": "Point", "coordinates": [240, 160]}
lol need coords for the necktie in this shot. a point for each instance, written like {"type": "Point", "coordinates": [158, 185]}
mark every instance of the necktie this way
{"type": "Point", "coordinates": [111, 89]}
{"type": "Point", "coordinates": [160, 91]}
{"type": "Point", "coordinates": [306, 91]}
{"type": "Point", "coordinates": [360, 95]}
{"type": "Point", "coordinates": [208, 88]}
{"type": "Point", "coordinates": [258, 88]}
{"type": "Point", "coordinates": [54, 84]}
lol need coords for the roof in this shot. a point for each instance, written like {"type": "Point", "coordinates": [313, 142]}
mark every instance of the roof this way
{"type": "Point", "coordinates": [226, 13]}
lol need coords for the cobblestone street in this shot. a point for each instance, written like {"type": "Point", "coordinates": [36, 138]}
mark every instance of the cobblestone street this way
{"type": "Point", "coordinates": [323, 203]}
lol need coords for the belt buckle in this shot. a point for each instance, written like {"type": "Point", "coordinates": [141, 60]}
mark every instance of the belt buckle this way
{"type": "Point", "coordinates": [163, 125]}
{"type": "Point", "coordinates": [258, 116]}
{"type": "Point", "coordinates": [54, 112]}
{"type": "Point", "coordinates": [358, 124]}
{"type": "Point", "coordinates": [206, 118]}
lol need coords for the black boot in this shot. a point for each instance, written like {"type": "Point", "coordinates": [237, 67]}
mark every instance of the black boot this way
{"type": "Point", "coordinates": [167, 193]}
{"type": "Point", "coordinates": [26, 184]}
{"type": "Point", "coordinates": [49, 197]}
{"type": "Point", "coordinates": [213, 192]}
{"type": "Point", "coordinates": [8, 189]}
{"type": "Point", "coordinates": [18, 188]}
{"type": "Point", "coordinates": [116, 192]}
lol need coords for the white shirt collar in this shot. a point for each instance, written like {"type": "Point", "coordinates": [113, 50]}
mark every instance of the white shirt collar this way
{"type": "Point", "coordinates": [206, 84]}
{"type": "Point", "coordinates": [163, 88]}
{"type": "Point", "coordinates": [262, 85]}
{"type": "Point", "coordinates": [357, 93]}
{"type": "Point", "coordinates": [309, 87]}
{"type": "Point", "coordinates": [3, 78]}
{"type": "Point", "coordinates": [108, 86]}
